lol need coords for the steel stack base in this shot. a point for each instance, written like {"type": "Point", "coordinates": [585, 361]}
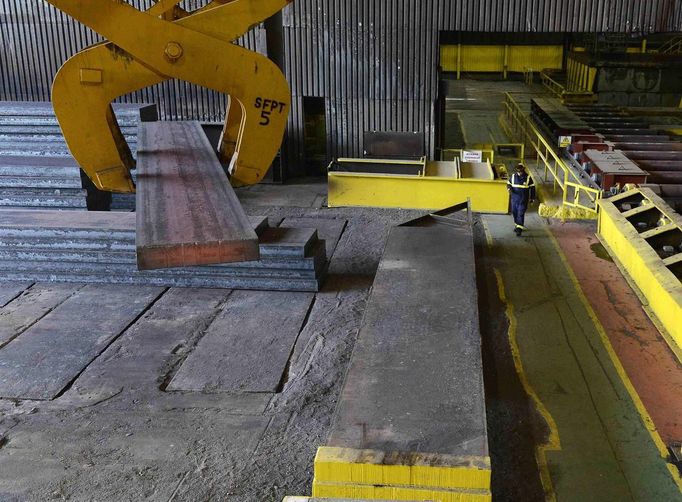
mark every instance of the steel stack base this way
{"type": "Point", "coordinates": [99, 247]}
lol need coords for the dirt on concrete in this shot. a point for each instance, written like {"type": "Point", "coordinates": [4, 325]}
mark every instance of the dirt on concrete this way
{"type": "Point", "coordinates": [116, 435]}
{"type": "Point", "coordinates": [513, 422]}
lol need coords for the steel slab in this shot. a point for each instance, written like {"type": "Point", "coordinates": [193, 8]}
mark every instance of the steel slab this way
{"type": "Point", "coordinates": [415, 382]}
{"type": "Point", "coordinates": [187, 211]}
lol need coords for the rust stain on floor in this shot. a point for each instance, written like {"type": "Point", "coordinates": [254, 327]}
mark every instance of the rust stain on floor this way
{"type": "Point", "coordinates": [652, 367]}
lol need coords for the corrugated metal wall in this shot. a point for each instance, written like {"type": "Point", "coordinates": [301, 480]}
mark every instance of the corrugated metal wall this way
{"type": "Point", "coordinates": [373, 61]}
{"type": "Point", "coordinates": [642, 16]}
{"type": "Point", "coordinates": [36, 39]}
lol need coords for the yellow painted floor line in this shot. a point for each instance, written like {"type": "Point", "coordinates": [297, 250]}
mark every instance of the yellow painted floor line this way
{"type": "Point", "coordinates": [488, 234]}
{"type": "Point", "coordinates": [553, 442]}
{"type": "Point", "coordinates": [644, 414]}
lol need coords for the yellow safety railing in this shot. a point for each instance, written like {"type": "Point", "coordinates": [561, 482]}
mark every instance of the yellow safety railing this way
{"type": "Point", "coordinates": [519, 127]}
{"type": "Point", "coordinates": [672, 46]}
{"type": "Point", "coordinates": [565, 93]}
{"type": "Point", "coordinates": [552, 85]}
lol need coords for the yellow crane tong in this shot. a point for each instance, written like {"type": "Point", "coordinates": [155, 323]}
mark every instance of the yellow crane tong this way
{"type": "Point", "coordinates": [165, 42]}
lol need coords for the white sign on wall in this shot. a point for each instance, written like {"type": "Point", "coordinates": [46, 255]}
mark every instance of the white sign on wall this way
{"type": "Point", "coordinates": [472, 156]}
{"type": "Point", "coordinates": [565, 141]}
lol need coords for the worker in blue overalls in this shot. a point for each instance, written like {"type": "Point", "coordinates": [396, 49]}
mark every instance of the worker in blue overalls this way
{"type": "Point", "coordinates": [522, 189]}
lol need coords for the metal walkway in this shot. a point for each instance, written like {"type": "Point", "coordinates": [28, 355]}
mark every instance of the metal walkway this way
{"type": "Point", "coordinates": [601, 444]}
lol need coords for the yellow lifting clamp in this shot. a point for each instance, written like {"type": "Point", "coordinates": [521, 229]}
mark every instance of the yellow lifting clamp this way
{"type": "Point", "coordinates": [162, 43]}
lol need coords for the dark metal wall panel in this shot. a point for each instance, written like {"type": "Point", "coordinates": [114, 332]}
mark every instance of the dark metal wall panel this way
{"type": "Point", "coordinates": [641, 16]}
{"type": "Point", "coordinates": [373, 61]}
{"type": "Point", "coordinates": [36, 39]}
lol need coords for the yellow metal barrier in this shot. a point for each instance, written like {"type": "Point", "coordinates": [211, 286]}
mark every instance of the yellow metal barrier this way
{"type": "Point", "coordinates": [431, 185]}
{"type": "Point", "coordinates": [502, 151]}
{"type": "Point", "coordinates": [416, 192]}
{"type": "Point", "coordinates": [644, 235]}
{"type": "Point", "coordinates": [499, 58]}
{"type": "Point", "coordinates": [491, 152]}
{"type": "Point", "coordinates": [421, 163]}
{"type": "Point", "coordinates": [519, 127]}
{"type": "Point", "coordinates": [580, 76]}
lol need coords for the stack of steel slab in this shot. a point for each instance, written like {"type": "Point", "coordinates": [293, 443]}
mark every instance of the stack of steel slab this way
{"type": "Point", "coordinates": [653, 150]}
{"type": "Point", "coordinates": [31, 128]}
{"type": "Point", "coordinates": [98, 247]}
{"type": "Point", "coordinates": [411, 422]}
{"type": "Point", "coordinates": [556, 120]}
{"type": "Point", "coordinates": [40, 182]}
{"type": "Point", "coordinates": [36, 168]}
{"type": "Point", "coordinates": [613, 168]}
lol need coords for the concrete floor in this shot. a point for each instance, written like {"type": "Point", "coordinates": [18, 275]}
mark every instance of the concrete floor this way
{"type": "Point", "coordinates": [603, 386]}
{"type": "Point", "coordinates": [119, 433]}
{"type": "Point", "coordinates": [582, 392]}
{"type": "Point", "coordinates": [120, 430]}
{"type": "Point", "coordinates": [599, 444]}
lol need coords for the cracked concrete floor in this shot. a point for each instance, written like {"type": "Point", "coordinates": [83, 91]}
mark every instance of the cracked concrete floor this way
{"type": "Point", "coordinates": [115, 432]}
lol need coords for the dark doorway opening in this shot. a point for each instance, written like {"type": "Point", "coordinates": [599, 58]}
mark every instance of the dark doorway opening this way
{"type": "Point", "coordinates": [315, 136]}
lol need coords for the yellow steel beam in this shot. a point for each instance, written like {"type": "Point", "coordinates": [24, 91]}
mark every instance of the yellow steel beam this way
{"type": "Point", "coordinates": [459, 64]}
{"type": "Point", "coordinates": [660, 289]}
{"type": "Point", "coordinates": [673, 260]}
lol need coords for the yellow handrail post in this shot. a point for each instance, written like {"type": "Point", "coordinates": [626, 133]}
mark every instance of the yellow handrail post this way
{"type": "Point", "coordinates": [459, 60]}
